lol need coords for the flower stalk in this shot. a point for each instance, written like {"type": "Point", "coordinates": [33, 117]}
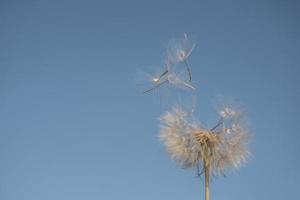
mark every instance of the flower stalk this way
{"type": "Point", "coordinates": [206, 172]}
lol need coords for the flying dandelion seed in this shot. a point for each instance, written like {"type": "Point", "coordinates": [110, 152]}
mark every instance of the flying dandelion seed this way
{"type": "Point", "coordinates": [169, 76]}
{"type": "Point", "coordinates": [193, 146]}
{"type": "Point", "coordinates": [180, 50]}
{"type": "Point", "coordinates": [148, 79]}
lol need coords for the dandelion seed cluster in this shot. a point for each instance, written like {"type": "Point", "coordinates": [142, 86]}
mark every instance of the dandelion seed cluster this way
{"type": "Point", "coordinates": [193, 146]}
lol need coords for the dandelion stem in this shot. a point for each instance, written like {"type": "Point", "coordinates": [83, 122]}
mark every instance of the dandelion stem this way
{"type": "Point", "coordinates": [206, 171]}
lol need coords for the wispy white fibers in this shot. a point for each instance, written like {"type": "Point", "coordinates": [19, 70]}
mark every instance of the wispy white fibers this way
{"type": "Point", "coordinates": [179, 50]}
{"type": "Point", "coordinates": [176, 134]}
{"type": "Point", "coordinates": [177, 53]}
{"type": "Point", "coordinates": [171, 77]}
{"type": "Point", "coordinates": [192, 146]}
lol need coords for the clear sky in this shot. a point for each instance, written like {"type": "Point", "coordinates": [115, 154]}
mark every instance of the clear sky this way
{"type": "Point", "coordinates": [74, 125]}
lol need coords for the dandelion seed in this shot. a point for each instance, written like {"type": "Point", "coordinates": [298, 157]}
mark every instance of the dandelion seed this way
{"type": "Point", "coordinates": [169, 76]}
{"type": "Point", "coordinates": [227, 112]}
{"type": "Point", "coordinates": [180, 50]}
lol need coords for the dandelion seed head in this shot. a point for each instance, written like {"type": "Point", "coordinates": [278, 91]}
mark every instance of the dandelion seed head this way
{"type": "Point", "coordinates": [191, 145]}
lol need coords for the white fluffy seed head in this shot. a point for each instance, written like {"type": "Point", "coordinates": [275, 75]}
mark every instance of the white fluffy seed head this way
{"type": "Point", "coordinates": [191, 146]}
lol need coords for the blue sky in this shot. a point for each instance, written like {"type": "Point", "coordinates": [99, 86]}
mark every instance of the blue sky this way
{"type": "Point", "coordinates": [74, 125]}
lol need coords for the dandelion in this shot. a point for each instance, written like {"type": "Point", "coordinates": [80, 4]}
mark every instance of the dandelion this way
{"type": "Point", "coordinates": [209, 151]}
{"type": "Point", "coordinates": [214, 150]}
